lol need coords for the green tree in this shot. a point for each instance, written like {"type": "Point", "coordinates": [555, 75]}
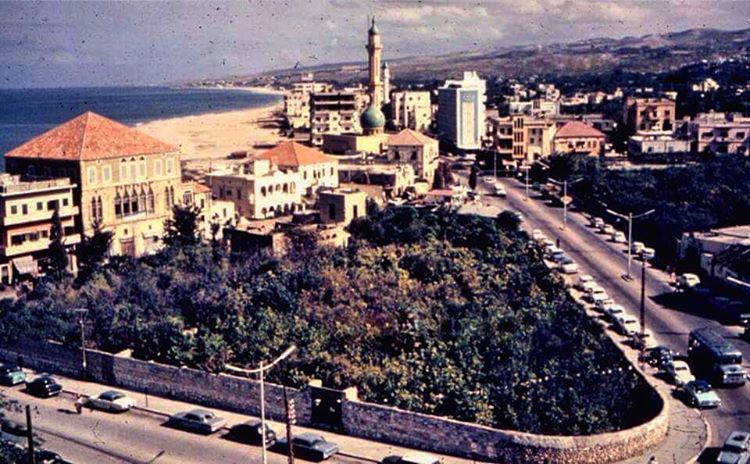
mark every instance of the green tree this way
{"type": "Point", "coordinates": [182, 229]}
{"type": "Point", "coordinates": [57, 264]}
{"type": "Point", "coordinates": [93, 251]}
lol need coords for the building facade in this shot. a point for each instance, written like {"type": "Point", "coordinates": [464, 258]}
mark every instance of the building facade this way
{"type": "Point", "coordinates": [341, 206]}
{"type": "Point", "coordinates": [26, 211]}
{"type": "Point", "coordinates": [655, 145]}
{"type": "Point", "coordinates": [643, 115]}
{"type": "Point", "coordinates": [334, 112]}
{"type": "Point", "coordinates": [577, 138]}
{"type": "Point", "coordinates": [316, 170]}
{"type": "Point", "coordinates": [416, 149]}
{"type": "Point", "coordinates": [126, 180]}
{"type": "Point", "coordinates": [411, 110]}
{"type": "Point", "coordinates": [297, 107]}
{"type": "Point", "coordinates": [719, 133]}
{"type": "Point", "coordinates": [521, 139]}
{"type": "Point", "coordinates": [461, 112]}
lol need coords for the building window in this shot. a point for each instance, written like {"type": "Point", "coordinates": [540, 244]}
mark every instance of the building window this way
{"type": "Point", "coordinates": [170, 166]}
{"type": "Point", "coordinates": [151, 204]}
{"type": "Point", "coordinates": [239, 194]}
{"type": "Point", "coordinates": [355, 211]}
{"type": "Point", "coordinates": [24, 209]}
{"type": "Point", "coordinates": [53, 205]}
{"type": "Point", "coordinates": [157, 167]}
{"type": "Point", "coordinates": [142, 202]}
{"type": "Point", "coordinates": [65, 201]}
{"type": "Point", "coordinates": [106, 174]}
{"type": "Point", "coordinates": [14, 209]}
{"type": "Point", "coordinates": [123, 170]}
{"type": "Point", "coordinates": [132, 169]}
{"type": "Point", "coordinates": [17, 239]}
{"type": "Point", "coordinates": [126, 204]}
{"type": "Point", "coordinates": [118, 206]}
{"type": "Point", "coordinates": [142, 167]}
{"type": "Point", "coordinates": [39, 206]}
{"type": "Point", "coordinates": [91, 175]}
{"type": "Point", "coordinates": [187, 197]}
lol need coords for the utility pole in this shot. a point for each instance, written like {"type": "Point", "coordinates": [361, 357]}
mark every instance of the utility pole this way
{"type": "Point", "coordinates": [643, 305]}
{"type": "Point", "coordinates": [81, 314]}
{"type": "Point", "coordinates": [291, 418]}
{"type": "Point", "coordinates": [629, 217]}
{"type": "Point", "coordinates": [565, 198]}
{"type": "Point", "coordinates": [30, 437]}
{"type": "Point", "coordinates": [262, 415]}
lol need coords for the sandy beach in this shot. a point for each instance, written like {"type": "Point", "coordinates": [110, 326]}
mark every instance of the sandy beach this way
{"type": "Point", "coordinates": [206, 138]}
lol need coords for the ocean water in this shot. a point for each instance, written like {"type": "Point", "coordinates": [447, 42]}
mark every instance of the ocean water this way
{"type": "Point", "coordinates": [27, 113]}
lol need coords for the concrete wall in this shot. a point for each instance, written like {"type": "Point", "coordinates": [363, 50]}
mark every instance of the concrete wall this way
{"type": "Point", "coordinates": [359, 418]}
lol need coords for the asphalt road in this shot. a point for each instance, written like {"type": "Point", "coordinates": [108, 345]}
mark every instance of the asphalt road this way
{"type": "Point", "coordinates": [607, 262]}
{"type": "Point", "coordinates": [133, 437]}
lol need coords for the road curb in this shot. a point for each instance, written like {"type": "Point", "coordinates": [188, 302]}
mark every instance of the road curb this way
{"type": "Point", "coordinates": [707, 424]}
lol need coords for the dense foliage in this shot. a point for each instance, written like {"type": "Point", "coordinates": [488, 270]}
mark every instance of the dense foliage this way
{"type": "Point", "coordinates": [433, 312]}
{"type": "Point", "coordinates": [697, 197]}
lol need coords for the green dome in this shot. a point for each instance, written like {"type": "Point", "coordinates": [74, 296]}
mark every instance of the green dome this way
{"type": "Point", "coordinates": [372, 118]}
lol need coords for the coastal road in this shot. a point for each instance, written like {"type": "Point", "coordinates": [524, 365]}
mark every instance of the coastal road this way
{"type": "Point", "coordinates": [133, 437]}
{"type": "Point", "coordinates": [607, 263]}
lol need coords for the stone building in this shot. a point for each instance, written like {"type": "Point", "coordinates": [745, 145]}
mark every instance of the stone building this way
{"type": "Point", "coordinates": [417, 149]}
{"type": "Point", "coordinates": [719, 133]}
{"type": "Point", "coordinates": [577, 138]}
{"type": "Point", "coordinates": [316, 169]}
{"type": "Point", "coordinates": [341, 205]}
{"type": "Point", "coordinates": [649, 115]}
{"type": "Point", "coordinates": [26, 210]}
{"type": "Point", "coordinates": [124, 178]}
{"type": "Point", "coordinates": [411, 109]}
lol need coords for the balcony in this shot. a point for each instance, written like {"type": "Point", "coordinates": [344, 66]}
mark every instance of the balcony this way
{"type": "Point", "coordinates": [37, 216]}
{"type": "Point", "coordinates": [36, 186]}
{"type": "Point", "coordinates": [36, 245]}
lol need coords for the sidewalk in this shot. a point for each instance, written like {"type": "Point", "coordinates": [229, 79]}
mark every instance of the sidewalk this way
{"type": "Point", "coordinates": [358, 449]}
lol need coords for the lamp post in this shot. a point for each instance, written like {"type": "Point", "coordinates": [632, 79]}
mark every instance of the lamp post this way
{"type": "Point", "coordinates": [526, 168]}
{"type": "Point", "coordinates": [81, 313]}
{"type": "Point", "coordinates": [629, 217]}
{"type": "Point", "coordinates": [565, 199]}
{"type": "Point", "coordinates": [260, 370]}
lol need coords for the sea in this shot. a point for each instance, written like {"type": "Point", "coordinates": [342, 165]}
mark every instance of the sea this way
{"type": "Point", "coordinates": [25, 113]}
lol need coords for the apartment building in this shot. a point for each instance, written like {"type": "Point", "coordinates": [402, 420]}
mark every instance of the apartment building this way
{"type": "Point", "coordinates": [537, 108]}
{"type": "Point", "coordinates": [341, 206]}
{"type": "Point", "coordinates": [258, 189]}
{"type": "Point", "coordinates": [212, 210]}
{"type": "Point", "coordinates": [577, 138]}
{"type": "Point", "coordinates": [649, 115]}
{"type": "Point", "coordinates": [26, 210]}
{"type": "Point", "coordinates": [411, 109]}
{"type": "Point", "coordinates": [335, 112]}
{"type": "Point", "coordinates": [297, 102]}
{"type": "Point", "coordinates": [316, 169]}
{"type": "Point", "coordinates": [719, 133]}
{"type": "Point", "coordinates": [521, 139]}
{"type": "Point", "coordinates": [125, 179]}
{"type": "Point", "coordinates": [417, 149]}
{"type": "Point", "coordinates": [640, 146]}
{"type": "Point", "coordinates": [461, 112]}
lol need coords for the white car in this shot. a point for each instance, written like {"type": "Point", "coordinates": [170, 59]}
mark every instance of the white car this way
{"type": "Point", "coordinates": [626, 324]}
{"type": "Point", "coordinates": [537, 235]}
{"type": "Point", "coordinates": [598, 297]}
{"type": "Point", "coordinates": [637, 247]}
{"type": "Point", "coordinates": [679, 373]}
{"type": "Point", "coordinates": [597, 222]}
{"type": "Point", "coordinates": [601, 305]}
{"type": "Point", "coordinates": [499, 190]}
{"type": "Point", "coordinates": [553, 251]}
{"type": "Point", "coordinates": [688, 280]}
{"type": "Point", "coordinates": [607, 229]}
{"type": "Point", "coordinates": [569, 268]}
{"type": "Point", "coordinates": [619, 237]}
{"type": "Point", "coordinates": [582, 280]}
{"type": "Point", "coordinates": [111, 400]}
{"type": "Point", "coordinates": [613, 312]}
{"type": "Point", "coordinates": [648, 253]}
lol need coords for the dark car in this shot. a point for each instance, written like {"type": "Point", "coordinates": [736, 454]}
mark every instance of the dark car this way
{"type": "Point", "coordinates": [311, 446]}
{"type": "Point", "coordinates": [250, 433]}
{"type": "Point", "coordinates": [44, 386]}
{"type": "Point", "coordinates": [659, 357]}
{"type": "Point", "coordinates": [11, 374]}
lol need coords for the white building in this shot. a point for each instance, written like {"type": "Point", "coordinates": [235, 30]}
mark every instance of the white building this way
{"type": "Point", "coordinates": [411, 109]}
{"type": "Point", "coordinates": [297, 102]}
{"type": "Point", "coordinates": [460, 115]}
{"type": "Point", "coordinates": [656, 144]}
{"type": "Point", "coordinates": [316, 169]}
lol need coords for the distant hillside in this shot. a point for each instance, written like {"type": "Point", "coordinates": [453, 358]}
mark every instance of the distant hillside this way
{"type": "Point", "coordinates": [649, 53]}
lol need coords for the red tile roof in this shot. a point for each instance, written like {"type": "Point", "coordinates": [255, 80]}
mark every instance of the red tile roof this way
{"type": "Point", "coordinates": [410, 137]}
{"type": "Point", "coordinates": [87, 137]}
{"type": "Point", "coordinates": [200, 188]}
{"type": "Point", "coordinates": [293, 154]}
{"type": "Point", "coordinates": [575, 129]}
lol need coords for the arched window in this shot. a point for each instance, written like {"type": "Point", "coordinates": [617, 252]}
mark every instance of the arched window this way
{"type": "Point", "coordinates": [142, 167]}
{"type": "Point", "coordinates": [132, 169]}
{"type": "Point", "coordinates": [286, 187]}
{"type": "Point", "coordinates": [263, 211]}
{"type": "Point", "coordinates": [99, 209]}
{"type": "Point", "coordinates": [331, 170]}
{"type": "Point", "coordinates": [171, 195]}
{"type": "Point", "coordinates": [166, 198]}
{"type": "Point", "coordinates": [263, 191]}
{"type": "Point", "coordinates": [414, 155]}
{"type": "Point", "coordinates": [118, 205]}
{"type": "Point", "coordinates": [93, 208]}
{"type": "Point", "coordinates": [142, 204]}
{"type": "Point", "coordinates": [151, 204]}
{"type": "Point", "coordinates": [126, 204]}
{"type": "Point", "coordinates": [123, 170]}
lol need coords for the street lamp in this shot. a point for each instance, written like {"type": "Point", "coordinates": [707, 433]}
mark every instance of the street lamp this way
{"type": "Point", "coordinates": [82, 312]}
{"type": "Point", "coordinates": [527, 168]}
{"type": "Point", "coordinates": [565, 198]}
{"type": "Point", "coordinates": [629, 217]}
{"type": "Point", "coordinates": [260, 370]}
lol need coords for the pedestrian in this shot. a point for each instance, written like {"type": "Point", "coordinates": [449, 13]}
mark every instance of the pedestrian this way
{"type": "Point", "coordinates": [558, 242]}
{"type": "Point", "coordinates": [79, 403]}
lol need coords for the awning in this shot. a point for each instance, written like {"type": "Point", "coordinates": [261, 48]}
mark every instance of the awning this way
{"type": "Point", "coordinates": [26, 265]}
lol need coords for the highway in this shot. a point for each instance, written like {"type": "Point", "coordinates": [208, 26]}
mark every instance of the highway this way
{"type": "Point", "coordinates": [607, 262]}
{"type": "Point", "coordinates": [133, 437]}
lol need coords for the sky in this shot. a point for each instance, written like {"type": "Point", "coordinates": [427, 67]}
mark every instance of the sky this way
{"type": "Point", "coordinates": [69, 44]}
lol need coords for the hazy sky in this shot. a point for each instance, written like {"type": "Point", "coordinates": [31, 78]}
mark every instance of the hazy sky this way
{"type": "Point", "coordinates": [46, 44]}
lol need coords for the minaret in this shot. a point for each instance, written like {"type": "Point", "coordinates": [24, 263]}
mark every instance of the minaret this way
{"type": "Point", "coordinates": [374, 48]}
{"type": "Point", "coordinates": [386, 83]}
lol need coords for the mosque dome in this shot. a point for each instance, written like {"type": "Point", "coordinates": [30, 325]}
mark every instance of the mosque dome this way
{"type": "Point", "coordinates": [372, 118]}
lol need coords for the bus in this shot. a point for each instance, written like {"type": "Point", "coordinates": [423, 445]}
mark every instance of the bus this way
{"type": "Point", "coordinates": [715, 359]}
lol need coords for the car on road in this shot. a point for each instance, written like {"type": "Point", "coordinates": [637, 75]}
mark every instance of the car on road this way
{"type": "Point", "coordinates": [519, 215]}
{"type": "Point", "coordinates": [11, 374]}
{"type": "Point", "coordinates": [679, 373]}
{"type": "Point", "coordinates": [626, 324]}
{"type": "Point", "coordinates": [736, 449]}
{"type": "Point", "coordinates": [619, 237]}
{"type": "Point", "coordinates": [637, 247]}
{"type": "Point", "coordinates": [596, 222]}
{"type": "Point", "coordinates": [648, 253]}
{"type": "Point", "coordinates": [569, 267]}
{"type": "Point", "coordinates": [607, 229]}
{"type": "Point", "coordinates": [583, 279]}
{"type": "Point", "coordinates": [250, 432]}
{"type": "Point", "coordinates": [660, 357]}
{"type": "Point", "coordinates": [700, 394]}
{"type": "Point", "coordinates": [16, 432]}
{"type": "Point", "coordinates": [643, 341]}
{"type": "Point", "coordinates": [111, 400]}
{"type": "Point", "coordinates": [687, 280]}
{"type": "Point", "coordinates": [613, 312]}
{"type": "Point", "coordinates": [602, 305]}
{"type": "Point", "coordinates": [411, 458]}
{"type": "Point", "coordinates": [197, 420]}
{"type": "Point", "coordinates": [499, 190]}
{"type": "Point", "coordinates": [596, 293]}
{"type": "Point", "coordinates": [311, 446]}
{"type": "Point", "coordinates": [44, 386]}
{"type": "Point", "coordinates": [488, 180]}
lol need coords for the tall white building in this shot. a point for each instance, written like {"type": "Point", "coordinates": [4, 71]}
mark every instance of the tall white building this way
{"type": "Point", "coordinates": [411, 109]}
{"type": "Point", "coordinates": [460, 115]}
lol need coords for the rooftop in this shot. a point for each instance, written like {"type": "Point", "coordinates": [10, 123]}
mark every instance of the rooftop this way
{"type": "Point", "coordinates": [15, 184]}
{"type": "Point", "coordinates": [90, 136]}
{"type": "Point", "coordinates": [410, 137]}
{"type": "Point", "coordinates": [577, 129]}
{"type": "Point", "coordinates": [293, 154]}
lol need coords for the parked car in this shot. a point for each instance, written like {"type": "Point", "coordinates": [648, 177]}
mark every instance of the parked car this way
{"type": "Point", "coordinates": [659, 357]}
{"type": "Point", "coordinates": [536, 186]}
{"type": "Point", "coordinates": [519, 215]}
{"type": "Point", "coordinates": [111, 400]}
{"type": "Point", "coordinates": [44, 386]}
{"type": "Point", "coordinates": [700, 394]}
{"type": "Point", "coordinates": [736, 449]}
{"type": "Point", "coordinates": [598, 298]}
{"type": "Point", "coordinates": [626, 324]}
{"type": "Point", "coordinates": [613, 312]}
{"type": "Point", "coordinates": [499, 190]}
{"type": "Point", "coordinates": [643, 341]}
{"type": "Point", "coordinates": [311, 446]}
{"type": "Point", "coordinates": [679, 373]}
{"type": "Point", "coordinates": [607, 229]}
{"type": "Point", "coordinates": [596, 293]}
{"type": "Point", "coordinates": [16, 432]}
{"type": "Point", "coordinates": [569, 267]}
{"type": "Point", "coordinates": [619, 237]}
{"type": "Point", "coordinates": [250, 432]}
{"type": "Point", "coordinates": [197, 420]}
{"type": "Point", "coordinates": [537, 235]}
{"type": "Point", "coordinates": [637, 247]}
{"type": "Point", "coordinates": [411, 458]}
{"type": "Point", "coordinates": [602, 305]}
{"type": "Point", "coordinates": [688, 280]}
{"type": "Point", "coordinates": [583, 279]}
{"type": "Point", "coordinates": [596, 222]}
{"type": "Point", "coordinates": [648, 253]}
{"type": "Point", "coordinates": [552, 251]}
{"type": "Point", "coordinates": [11, 374]}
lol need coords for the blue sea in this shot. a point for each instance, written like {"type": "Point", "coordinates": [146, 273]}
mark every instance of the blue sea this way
{"type": "Point", "coordinates": [29, 112]}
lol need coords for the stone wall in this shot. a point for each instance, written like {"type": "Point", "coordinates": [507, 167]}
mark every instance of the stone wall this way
{"type": "Point", "coordinates": [359, 418]}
